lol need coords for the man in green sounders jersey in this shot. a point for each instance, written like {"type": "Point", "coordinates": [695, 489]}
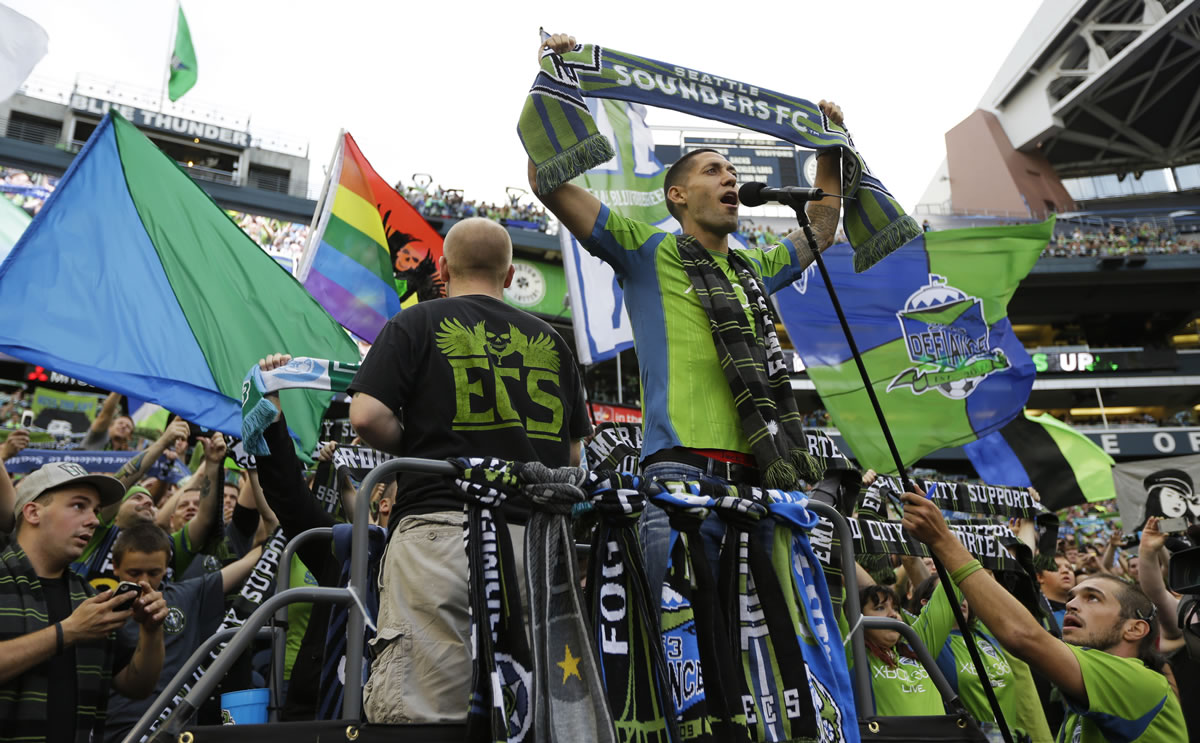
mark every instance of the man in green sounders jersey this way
{"type": "Point", "coordinates": [1009, 676]}
{"type": "Point", "coordinates": [691, 426]}
{"type": "Point", "coordinates": [1105, 664]}
{"type": "Point", "coordinates": [687, 406]}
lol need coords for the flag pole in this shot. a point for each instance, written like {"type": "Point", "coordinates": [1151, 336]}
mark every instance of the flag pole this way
{"type": "Point", "coordinates": [162, 98]}
{"type": "Point", "coordinates": [797, 204]}
{"type": "Point", "coordinates": [324, 203]}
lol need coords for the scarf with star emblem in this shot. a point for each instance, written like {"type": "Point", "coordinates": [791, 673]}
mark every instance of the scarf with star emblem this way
{"type": "Point", "coordinates": [502, 690]}
{"type": "Point", "coordinates": [568, 691]}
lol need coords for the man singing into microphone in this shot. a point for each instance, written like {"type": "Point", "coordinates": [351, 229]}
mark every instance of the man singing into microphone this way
{"type": "Point", "coordinates": [708, 403]}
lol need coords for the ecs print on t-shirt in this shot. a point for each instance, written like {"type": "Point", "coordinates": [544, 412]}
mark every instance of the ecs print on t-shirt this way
{"type": "Point", "coordinates": [472, 376]}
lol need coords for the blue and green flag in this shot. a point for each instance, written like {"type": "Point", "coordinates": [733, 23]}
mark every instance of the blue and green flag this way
{"type": "Point", "coordinates": [933, 330]}
{"type": "Point", "coordinates": [144, 286]}
{"type": "Point", "coordinates": [1040, 451]}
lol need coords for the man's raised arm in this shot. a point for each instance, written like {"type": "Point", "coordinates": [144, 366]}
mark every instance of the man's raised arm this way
{"type": "Point", "coordinates": [138, 465]}
{"type": "Point", "coordinates": [824, 213]}
{"type": "Point", "coordinates": [208, 514]}
{"type": "Point", "coordinates": [1008, 620]}
{"type": "Point", "coordinates": [575, 208]}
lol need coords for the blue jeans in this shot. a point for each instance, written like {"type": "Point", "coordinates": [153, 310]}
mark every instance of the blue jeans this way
{"type": "Point", "coordinates": [654, 530]}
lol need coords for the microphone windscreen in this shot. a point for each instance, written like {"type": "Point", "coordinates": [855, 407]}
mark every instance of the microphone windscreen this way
{"type": "Point", "coordinates": [750, 194]}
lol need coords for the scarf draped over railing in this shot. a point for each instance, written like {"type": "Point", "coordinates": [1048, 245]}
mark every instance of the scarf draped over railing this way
{"type": "Point", "coordinates": [624, 619]}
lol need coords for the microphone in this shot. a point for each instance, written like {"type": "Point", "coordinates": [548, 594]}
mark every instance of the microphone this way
{"type": "Point", "coordinates": [757, 194]}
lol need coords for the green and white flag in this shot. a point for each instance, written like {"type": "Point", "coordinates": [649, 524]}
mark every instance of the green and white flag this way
{"type": "Point", "coordinates": [631, 184]}
{"type": "Point", "coordinates": [183, 61]}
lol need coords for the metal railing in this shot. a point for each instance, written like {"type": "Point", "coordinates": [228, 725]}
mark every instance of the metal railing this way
{"type": "Point", "coordinates": [275, 607]}
{"type": "Point", "coordinates": [350, 597]}
{"type": "Point", "coordinates": [283, 582]}
{"type": "Point", "coordinates": [201, 173]}
{"type": "Point", "coordinates": [194, 660]}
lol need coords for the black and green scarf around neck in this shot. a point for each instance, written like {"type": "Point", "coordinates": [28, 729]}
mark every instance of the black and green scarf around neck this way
{"type": "Point", "coordinates": [754, 367]}
{"type": "Point", "coordinates": [562, 139]}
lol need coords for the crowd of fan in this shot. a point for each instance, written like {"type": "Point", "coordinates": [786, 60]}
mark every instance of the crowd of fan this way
{"type": "Point", "coordinates": [276, 236]}
{"type": "Point", "coordinates": [761, 236]}
{"type": "Point", "coordinates": [436, 201]}
{"type": "Point", "coordinates": [28, 191]}
{"type": "Point", "coordinates": [209, 530]}
{"type": "Point", "coordinates": [1140, 238]}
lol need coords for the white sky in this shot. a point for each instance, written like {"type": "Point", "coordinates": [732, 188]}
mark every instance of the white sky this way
{"type": "Point", "coordinates": [436, 87]}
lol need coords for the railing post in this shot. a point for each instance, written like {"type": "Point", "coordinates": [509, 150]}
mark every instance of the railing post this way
{"type": "Point", "coordinates": [853, 608]}
{"type": "Point", "coordinates": [283, 580]}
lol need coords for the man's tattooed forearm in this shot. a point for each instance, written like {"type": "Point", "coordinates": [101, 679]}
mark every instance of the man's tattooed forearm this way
{"type": "Point", "coordinates": [130, 467]}
{"type": "Point", "coordinates": [824, 223]}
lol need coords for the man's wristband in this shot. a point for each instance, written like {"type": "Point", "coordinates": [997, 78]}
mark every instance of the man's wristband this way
{"type": "Point", "coordinates": [965, 571]}
{"type": "Point", "coordinates": [58, 638]}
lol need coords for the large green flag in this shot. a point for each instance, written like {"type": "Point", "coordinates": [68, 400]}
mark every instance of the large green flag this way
{"type": "Point", "coordinates": [183, 61]}
{"type": "Point", "coordinates": [931, 323]}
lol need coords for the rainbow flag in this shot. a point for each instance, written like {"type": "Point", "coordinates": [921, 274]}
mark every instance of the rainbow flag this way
{"type": "Point", "coordinates": [370, 252]}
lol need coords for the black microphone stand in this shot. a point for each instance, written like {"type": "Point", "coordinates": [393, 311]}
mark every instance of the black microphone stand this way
{"type": "Point", "coordinates": [797, 204]}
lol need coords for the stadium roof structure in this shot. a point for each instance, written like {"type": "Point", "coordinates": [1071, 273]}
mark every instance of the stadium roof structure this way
{"type": "Point", "coordinates": [1104, 86]}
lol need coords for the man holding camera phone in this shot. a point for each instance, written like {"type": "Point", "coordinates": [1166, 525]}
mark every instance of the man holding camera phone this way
{"type": "Point", "coordinates": [195, 608]}
{"type": "Point", "coordinates": [56, 632]}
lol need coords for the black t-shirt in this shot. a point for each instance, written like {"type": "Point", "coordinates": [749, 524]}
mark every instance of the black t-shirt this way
{"type": "Point", "coordinates": [1187, 677]}
{"type": "Point", "coordinates": [473, 377]}
{"type": "Point", "coordinates": [60, 669]}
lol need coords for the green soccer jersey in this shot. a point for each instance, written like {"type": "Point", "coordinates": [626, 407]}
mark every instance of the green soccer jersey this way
{"type": "Point", "coordinates": [297, 614]}
{"type": "Point", "coordinates": [905, 689]}
{"type": "Point", "coordinates": [955, 663]}
{"type": "Point", "coordinates": [1126, 701]}
{"type": "Point", "coordinates": [685, 397]}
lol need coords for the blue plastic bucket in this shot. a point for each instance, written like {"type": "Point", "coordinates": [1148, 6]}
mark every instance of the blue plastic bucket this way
{"type": "Point", "coordinates": [248, 707]}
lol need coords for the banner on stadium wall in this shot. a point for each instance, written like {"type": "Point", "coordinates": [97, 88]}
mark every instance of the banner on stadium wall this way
{"type": "Point", "coordinates": [146, 119]}
{"type": "Point", "coordinates": [538, 286]}
{"type": "Point", "coordinates": [43, 399]}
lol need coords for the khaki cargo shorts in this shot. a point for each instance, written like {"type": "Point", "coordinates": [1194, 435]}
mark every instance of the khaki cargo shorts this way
{"type": "Point", "coordinates": [421, 672]}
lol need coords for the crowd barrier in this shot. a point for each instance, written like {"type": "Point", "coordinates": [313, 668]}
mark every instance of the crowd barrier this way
{"type": "Point", "coordinates": [176, 727]}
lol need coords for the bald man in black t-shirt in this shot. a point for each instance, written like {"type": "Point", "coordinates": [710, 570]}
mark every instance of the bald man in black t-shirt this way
{"type": "Point", "coordinates": [471, 376]}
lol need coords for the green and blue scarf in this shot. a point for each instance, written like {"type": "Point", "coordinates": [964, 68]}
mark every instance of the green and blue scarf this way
{"type": "Point", "coordinates": [562, 139]}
